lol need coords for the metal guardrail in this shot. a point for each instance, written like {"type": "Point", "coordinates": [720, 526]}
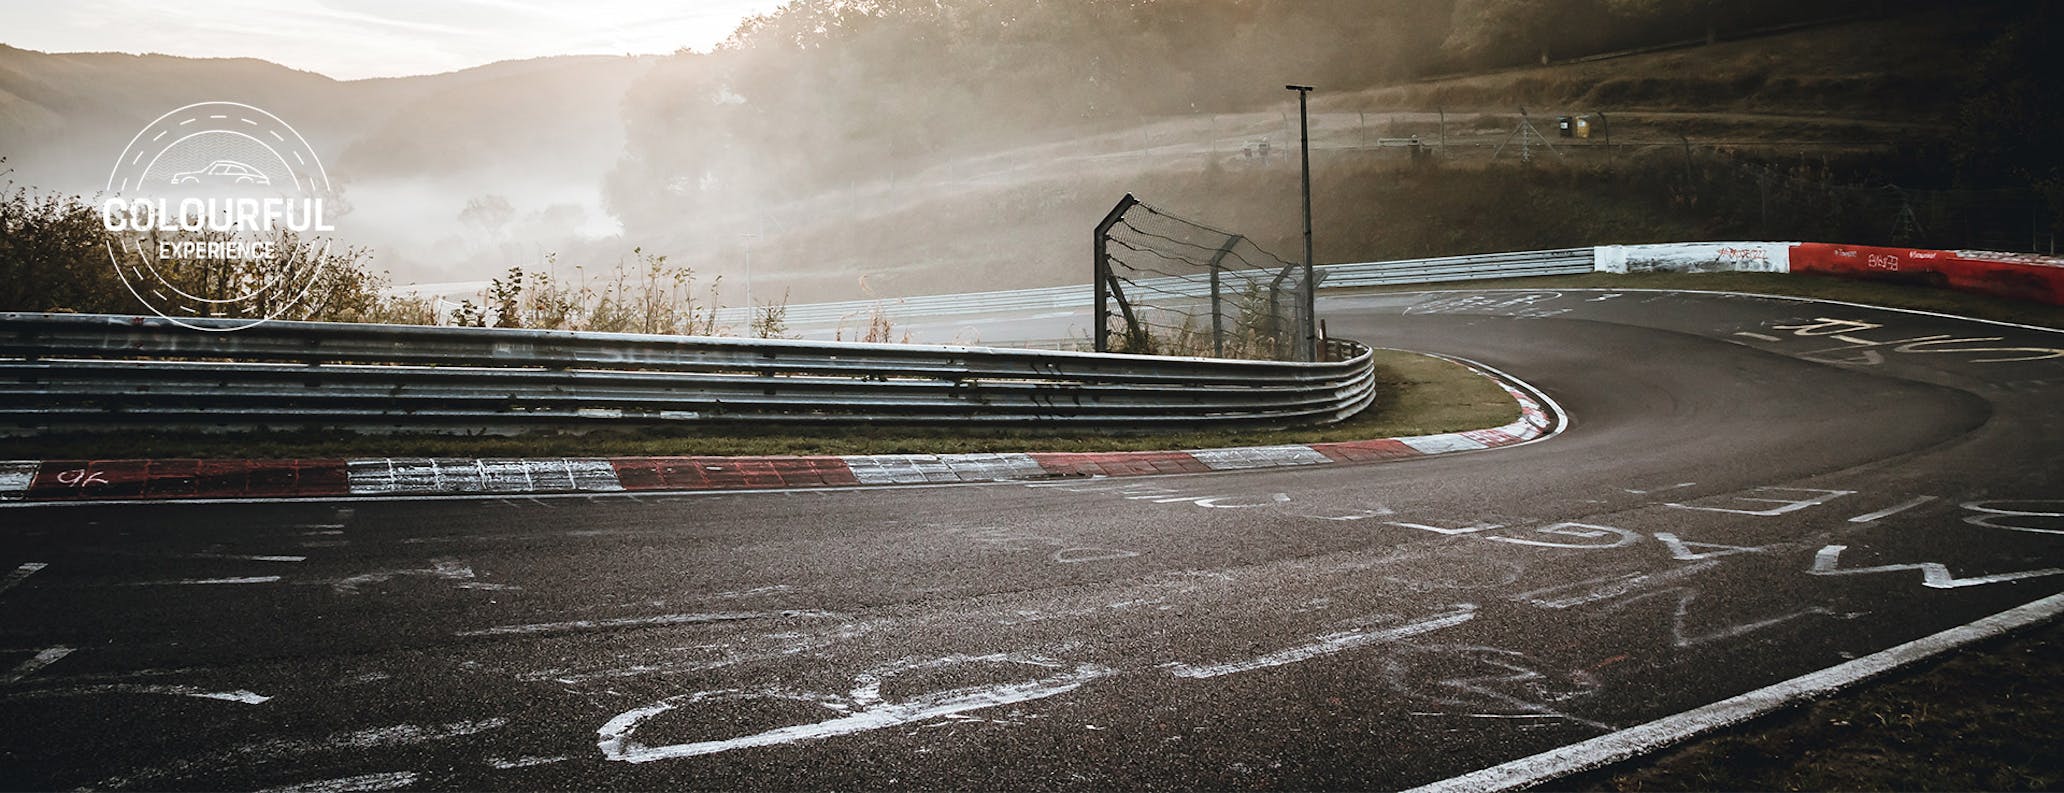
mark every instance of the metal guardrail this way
{"type": "Point", "coordinates": [61, 371]}
{"type": "Point", "coordinates": [1567, 261]}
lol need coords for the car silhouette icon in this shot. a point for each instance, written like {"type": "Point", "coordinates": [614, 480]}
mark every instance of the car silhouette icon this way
{"type": "Point", "coordinates": [223, 172]}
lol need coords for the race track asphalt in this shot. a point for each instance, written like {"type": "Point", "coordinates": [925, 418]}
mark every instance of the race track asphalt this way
{"type": "Point", "coordinates": [1749, 489]}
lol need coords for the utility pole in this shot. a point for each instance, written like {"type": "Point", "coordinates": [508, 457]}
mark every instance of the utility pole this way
{"type": "Point", "coordinates": [1311, 312]}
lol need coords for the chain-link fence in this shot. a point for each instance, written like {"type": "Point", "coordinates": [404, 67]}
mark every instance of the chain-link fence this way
{"type": "Point", "coordinates": [1167, 285]}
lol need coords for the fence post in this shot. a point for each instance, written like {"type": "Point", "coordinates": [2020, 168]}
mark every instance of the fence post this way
{"type": "Point", "coordinates": [1102, 333]}
{"type": "Point", "coordinates": [1217, 312]}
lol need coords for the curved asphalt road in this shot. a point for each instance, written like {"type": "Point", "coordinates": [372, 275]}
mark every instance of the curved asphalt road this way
{"type": "Point", "coordinates": [1734, 468]}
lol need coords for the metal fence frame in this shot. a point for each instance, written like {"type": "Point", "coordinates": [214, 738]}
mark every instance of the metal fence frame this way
{"type": "Point", "coordinates": [1565, 261]}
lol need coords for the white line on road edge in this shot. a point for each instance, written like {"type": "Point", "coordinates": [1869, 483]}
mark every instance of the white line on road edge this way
{"type": "Point", "coordinates": [1554, 409]}
{"type": "Point", "coordinates": [1632, 742]}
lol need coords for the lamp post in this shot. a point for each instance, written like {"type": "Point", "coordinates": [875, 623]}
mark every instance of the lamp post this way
{"type": "Point", "coordinates": [1311, 332]}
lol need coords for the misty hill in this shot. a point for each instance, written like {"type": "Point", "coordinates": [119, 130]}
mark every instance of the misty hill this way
{"type": "Point", "coordinates": [939, 145]}
{"type": "Point", "coordinates": [410, 153]}
{"type": "Point", "coordinates": [964, 191]}
{"type": "Point", "coordinates": [64, 116]}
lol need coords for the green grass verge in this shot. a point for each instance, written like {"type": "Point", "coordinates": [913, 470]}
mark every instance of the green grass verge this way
{"type": "Point", "coordinates": [1988, 718]}
{"type": "Point", "coordinates": [1416, 395]}
{"type": "Point", "coordinates": [1880, 293]}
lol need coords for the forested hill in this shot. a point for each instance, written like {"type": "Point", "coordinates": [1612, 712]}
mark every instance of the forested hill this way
{"type": "Point", "coordinates": [825, 91]}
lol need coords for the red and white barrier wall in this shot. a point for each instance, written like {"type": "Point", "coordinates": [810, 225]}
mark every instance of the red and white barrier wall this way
{"type": "Point", "coordinates": [1694, 257]}
{"type": "Point", "coordinates": [2009, 275]}
{"type": "Point", "coordinates": [2015, 276]}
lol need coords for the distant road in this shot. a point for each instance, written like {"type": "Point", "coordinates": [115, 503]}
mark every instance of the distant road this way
{"type": "Point", "coordinates": [1751, 489]}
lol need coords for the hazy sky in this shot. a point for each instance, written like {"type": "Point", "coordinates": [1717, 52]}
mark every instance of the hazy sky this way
{"type": "Point", "coordinates": [349, 39]}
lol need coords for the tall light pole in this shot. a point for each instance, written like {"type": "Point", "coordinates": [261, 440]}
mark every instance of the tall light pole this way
{"type": "Point", "coordinates": [1311, 312]}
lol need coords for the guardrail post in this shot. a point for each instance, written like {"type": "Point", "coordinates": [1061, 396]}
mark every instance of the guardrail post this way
{"type": "Point", "coordinates": [1102, 333]}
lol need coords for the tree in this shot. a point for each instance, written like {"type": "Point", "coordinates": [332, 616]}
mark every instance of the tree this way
{"type": "Point", "coordinates": [1496, 32]}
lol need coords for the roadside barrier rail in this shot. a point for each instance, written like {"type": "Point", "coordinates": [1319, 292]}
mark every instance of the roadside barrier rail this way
{"type": "Point", "coordinates": [101, 371]}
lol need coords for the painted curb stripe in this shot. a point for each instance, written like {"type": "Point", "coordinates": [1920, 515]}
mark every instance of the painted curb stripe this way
{"type": "Point", "coordinates": [429, 475]}
{"type": "Point", "coordinates": [1670, 730]}
{"type": "Point", "coordinates": [67, 480]}
{"type": "Point", "coordinates": [730, 473]}
{"type": "Point", "coordinates": [911, 469]}
{"type": "Point", "coordinates": [15, 477]}
{"type": "Point", "coordinates": [1375, 451]}
{"type": "Point", "coordinates": [1119, 463]}
{"type": "Point", "coordinates": [1442, 444]}
{"type": "Point", "coordinates": [1240, 458]}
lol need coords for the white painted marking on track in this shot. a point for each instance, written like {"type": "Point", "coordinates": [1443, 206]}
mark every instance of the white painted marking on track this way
{"type": "Point", "coordinates": [244, 557]}
{"type": "Point", "coordinates": [1784, 505]}
{"type": "Point", "coordinates": [249, 579]}
{"type": "Point", "coordinates": [1606, 588]}
{"type": "Point", "coordinates": [1582, 531]}
{"type": "Point", "coordinates": [1891, 510]}
{"type": "Point", "coordinates": [393, 780]}
{"type": "Point", "coordinates": [407, 734]}
{"type": "Point", "coordinates": [1994, 517]}
{"type": "Point", "coordinates": [20, 574]}
{"type": "Point", "coordinates": [239, 695]}
{"type": "Point", "coordinates": [1682, 549]}
{"type": "Point", "coordinates": [1469, 529]}
{"type": "Point", "coordinates": [1231, 502]}
{"type": "Point", "coordinates": [1326, 645]}
{"type": "Point", "coordinates": [627, 622]}
{"type": "Point", "coordinates": [42, 659]}
{"type": "Point", "coordinates": [615, 738]}
{"type": "Point", "coordinates": [1079, 555]}
{"type": "Point", "coordinates": [525, 761]}
{"type": "Point", "coordinates": [1633, 742]}
{"type": "Point", "coordinates": [442, 569]}
{"type": "Point", "coordinates": [1934, 575]}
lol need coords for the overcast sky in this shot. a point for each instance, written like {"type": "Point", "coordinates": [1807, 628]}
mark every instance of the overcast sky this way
{"type": "Point", "coordinates": [350, 39]}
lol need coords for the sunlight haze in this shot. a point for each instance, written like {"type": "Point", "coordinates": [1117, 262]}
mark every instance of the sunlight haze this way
{"type": "Point", "coordinates": [355, 39]}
